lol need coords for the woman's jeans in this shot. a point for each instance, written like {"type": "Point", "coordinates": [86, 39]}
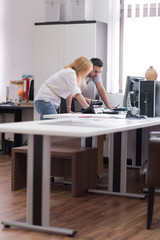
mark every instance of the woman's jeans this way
{"type": "Point", "coordinates": [44, 108]}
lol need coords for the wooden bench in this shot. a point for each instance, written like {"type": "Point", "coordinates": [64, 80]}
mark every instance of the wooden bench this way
{"type": "Point", "coordinates": [77, 163]}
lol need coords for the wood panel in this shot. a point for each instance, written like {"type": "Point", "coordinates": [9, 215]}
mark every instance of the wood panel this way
{"type": "Point", "coordinates": [76, 163]}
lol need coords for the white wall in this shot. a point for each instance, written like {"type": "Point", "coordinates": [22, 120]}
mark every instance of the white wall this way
{"type": "Point", "coordinates": [17, 18]}
{"type": "Point", "coordinates": [100, 10]}
{"type": "Point", "coordinates": [116, 99]}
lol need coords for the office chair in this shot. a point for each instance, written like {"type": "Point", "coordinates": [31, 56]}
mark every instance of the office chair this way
{"type": "Point", "coordinates": [150, 172]}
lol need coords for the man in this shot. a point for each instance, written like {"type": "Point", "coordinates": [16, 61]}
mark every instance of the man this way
{"type": "Point", "coordinates": [94, 76]}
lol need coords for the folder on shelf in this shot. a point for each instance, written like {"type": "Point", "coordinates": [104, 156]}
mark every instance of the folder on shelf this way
{"type": "Point", "coordinates": [20, 91]}
{"type": "Point", "coordinates": [26, 82]}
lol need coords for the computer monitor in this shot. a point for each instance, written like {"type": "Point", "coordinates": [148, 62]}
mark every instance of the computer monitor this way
{"type": "Point", "coordinates": [132, 85]}
{"type": "Point", "coordinates": [157, 99]}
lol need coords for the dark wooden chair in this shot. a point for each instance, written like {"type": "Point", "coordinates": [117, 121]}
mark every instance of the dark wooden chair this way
{"type": "Point", "coordinates": [150, 172]}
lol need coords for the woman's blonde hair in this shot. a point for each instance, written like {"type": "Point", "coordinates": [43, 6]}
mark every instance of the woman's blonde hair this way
{"type": "Point", "coordinates": [81, 65]}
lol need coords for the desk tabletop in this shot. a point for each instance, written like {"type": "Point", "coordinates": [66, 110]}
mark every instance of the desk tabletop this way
{"type": "Point", "coordinates": [85, 125]}
{"type": "Point", "coordinates": [11, 106]}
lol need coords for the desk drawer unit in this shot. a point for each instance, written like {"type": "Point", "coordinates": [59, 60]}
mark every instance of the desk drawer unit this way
{"type": "Point", "coordinates": [77, 163]}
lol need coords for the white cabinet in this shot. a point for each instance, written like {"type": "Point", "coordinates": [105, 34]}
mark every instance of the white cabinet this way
{"type": "Point", "coordinates": [59, 43]}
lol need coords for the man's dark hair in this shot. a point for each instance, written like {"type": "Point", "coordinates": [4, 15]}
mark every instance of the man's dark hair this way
{"type": "Point", "coordinates": [97, 62]}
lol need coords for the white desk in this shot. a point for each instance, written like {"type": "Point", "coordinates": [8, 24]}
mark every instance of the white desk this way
{"type": "Point", "coordinates": [38, 169]}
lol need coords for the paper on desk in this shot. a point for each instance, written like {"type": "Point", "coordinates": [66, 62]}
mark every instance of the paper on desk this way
{"type": "Point", "coordinates": [88, 121]}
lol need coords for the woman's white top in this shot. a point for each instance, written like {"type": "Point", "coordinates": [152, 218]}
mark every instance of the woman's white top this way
{"type": "Point", "coordinates": [60, 84]}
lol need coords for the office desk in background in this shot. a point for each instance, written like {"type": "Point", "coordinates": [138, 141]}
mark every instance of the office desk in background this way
{"type": "Point", "coordinates": [84, 126]}
{"type": "Point", "coordinates": [20, 113]}
{"type": "Point", "coordinates": [117, 147]}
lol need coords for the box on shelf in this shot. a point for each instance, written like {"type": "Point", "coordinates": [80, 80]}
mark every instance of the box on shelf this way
{"type": "Point", "coordinates": [52, 10]}
{"type": "Point", "coordinates": [68, 10]}
{"type": "Point", "coordinates": [14, 91]}
{"type": "Point", "coordinates": [81, 10]}
{"type": "Point", "coordinates": [65, 10]}
{"type": "Point", "coordinates": [16, 82]}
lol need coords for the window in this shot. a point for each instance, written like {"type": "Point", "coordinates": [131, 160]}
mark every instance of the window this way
{"type": "Point", "coordinates": [141, 38]}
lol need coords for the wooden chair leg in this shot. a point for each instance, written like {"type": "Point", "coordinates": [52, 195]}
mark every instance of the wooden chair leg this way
{"type": "Point", "coordinates": [150, 206]}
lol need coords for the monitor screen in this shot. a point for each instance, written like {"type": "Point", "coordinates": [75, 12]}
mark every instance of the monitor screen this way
{"type": "Point", "coordinates": [132, 85]}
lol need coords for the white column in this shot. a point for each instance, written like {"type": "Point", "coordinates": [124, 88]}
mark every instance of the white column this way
{"type": "Point", "coordinates": [30, 179]}
{"type": "Point", "coordinates": [113, 46]}
{"type": "Point", "coordinates": [46, 181]}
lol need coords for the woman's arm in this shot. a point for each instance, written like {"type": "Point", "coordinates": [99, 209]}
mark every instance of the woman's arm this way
{"type": "Point", "coordinates": [69, 103]}
{"type": "Point", "coordinates": [79, 97]}
{"type": "Point", "coordinates": [88, 100]}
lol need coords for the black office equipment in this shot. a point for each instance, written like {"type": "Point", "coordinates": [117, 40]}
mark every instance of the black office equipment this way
{"type": "Point", "coordinates": [31, 91]}
{"type": "Point", "coordinates": [132, 110]}
{"type": "Point", "coordinates": [96, 102]}
{"type": "Point", "coordinates": [157, 99]}
{"type": "Point", "coordinates": [93, 109]}
{"type": "Point", "coordinates": [132, 85]}
{"type": "Point", "coordinates": [150, 98]}
{"type": "Point", "coordinates": [119, 109]}
{"type": "Point", "coordinates": [147, 98]}
{"type": "Point", "coordinates": [96, 106]}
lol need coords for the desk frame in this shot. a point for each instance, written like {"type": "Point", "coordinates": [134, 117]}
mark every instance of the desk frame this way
{"type": "Point", "coordinates": [117, 173]}
{"type": "Point", "coordinates": [39, 138]}
{"type": "Point", "coordinates": [17, 111]}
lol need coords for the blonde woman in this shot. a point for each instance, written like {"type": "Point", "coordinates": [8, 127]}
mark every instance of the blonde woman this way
{"type": "Point", "coordinates": [67, 81]}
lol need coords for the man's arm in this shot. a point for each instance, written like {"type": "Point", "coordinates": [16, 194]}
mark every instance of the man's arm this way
{"type": "Point", "coordinates": [103, 94]}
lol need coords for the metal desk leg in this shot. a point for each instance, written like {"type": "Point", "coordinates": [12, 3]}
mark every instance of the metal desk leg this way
{"type": "Point", "coordinates": [38, 189]}
{"type": "Point", "coordinates": [117, 167]}
{"type": "Point", "coordinates": [89, 142]}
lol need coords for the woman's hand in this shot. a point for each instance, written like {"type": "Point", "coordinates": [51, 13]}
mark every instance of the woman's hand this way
{"type": "Point", "coordinates": [88, 100]}
{"type": "Point", "coordinates": [69, 109]}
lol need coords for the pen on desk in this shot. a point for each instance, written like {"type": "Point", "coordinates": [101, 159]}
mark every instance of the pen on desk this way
{"type": "Point", "coordinates": [117, 105]}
